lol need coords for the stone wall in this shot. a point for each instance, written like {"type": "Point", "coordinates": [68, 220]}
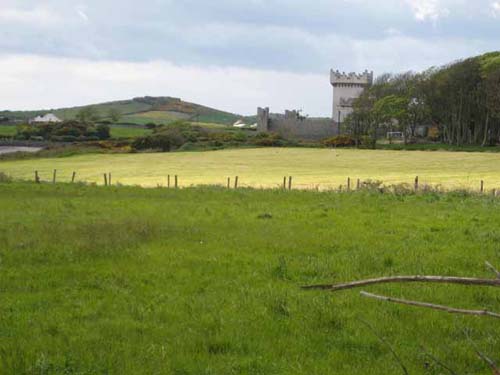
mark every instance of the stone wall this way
{"type": "Point", "coordinates": [293, 126]}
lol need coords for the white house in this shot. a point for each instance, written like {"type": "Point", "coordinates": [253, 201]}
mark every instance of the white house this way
{"type": "Point", "coordinates": [49, 117]}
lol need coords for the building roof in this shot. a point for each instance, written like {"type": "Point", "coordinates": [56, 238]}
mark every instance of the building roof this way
{"type": "Point", "coordinates": [49, 117]}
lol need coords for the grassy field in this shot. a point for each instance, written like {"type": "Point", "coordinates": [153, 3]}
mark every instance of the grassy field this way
{"type": "Point", "coordinates": [265, 167]}
{"type": "Point", "coordinates": [124, 131]}
{"type": "Point", "coordinates": [157, 117]}
{"type": "Point", "coordinates": [123, 280]}
{"type": "Point", "coordinates": [140, 111]}
{"type": "Point", "coordinates": [7, 130]}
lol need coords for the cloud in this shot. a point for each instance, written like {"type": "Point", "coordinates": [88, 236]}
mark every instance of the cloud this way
{"type": "Point", "coordinates": [428, 9]}
{"type": "Point", "coordinates": [80, 10]}
{"type": "Point", "coordinates": [495, 9]}
{"type": "Point", "coordinates": [38, 16]}
{"type": "Point", "coordinates": [56, 82]}
{"type": "Point", "coordinates": [265, 39]}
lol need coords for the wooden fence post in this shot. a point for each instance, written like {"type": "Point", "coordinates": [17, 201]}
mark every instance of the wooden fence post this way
{"type": "Point", "coordinates": [105, 179]}
{"type": "Point", "coordinates": [168, 181]}
{"type": "Point", "coordinates": [348, 183]}
{"type": "Point", "coordinates": [236, 182]}
{"type": "Point", "coordinates": [290, 183]}
{"type": "Point", "coordinates": [229, 182]}
{"type": "Point", "coordinates": [482, 186]}
{"type": "Point", "coordinates": [37, 178]}
{"type": "Point", "coordinates": [54, 176]}
{"type": "Point", "coordinates": [176, 181]}
{"type": "Point", "coordinates": [109, 178]}
{"type": "Point", "coordinates": [416, 183]}
{"type": "Point", "coordinates": [358, 185]}
{"type": "Point", "coordinates": [73, 177]}
{"type": "Point", "coordinates": [284, 183]}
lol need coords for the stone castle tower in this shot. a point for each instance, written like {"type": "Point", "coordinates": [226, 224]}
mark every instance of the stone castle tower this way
{"type": "Point", "coordinates": [347, 88]}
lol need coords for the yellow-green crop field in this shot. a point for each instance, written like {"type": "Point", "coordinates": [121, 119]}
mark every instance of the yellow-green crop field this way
{"type": "Point", "coordinates": [266, 167]}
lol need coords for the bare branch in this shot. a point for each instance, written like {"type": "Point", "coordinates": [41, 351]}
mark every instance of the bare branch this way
{"type": "Point", "coordinates": [408, 279]}
{"type": "Point", "coordinates": [487, 360]}
{"type": "Point", "coordinates": [385, 342]}
{"type": "Point", "coordinates": [493, 269]}
{"type": "Point", "coordinates": [448, 309]}
{"type": "Point", "coordinates": [438, 361]}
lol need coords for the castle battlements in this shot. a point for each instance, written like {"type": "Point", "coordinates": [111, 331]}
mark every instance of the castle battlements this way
{"type": "Point", "coordinates": [364, 79]}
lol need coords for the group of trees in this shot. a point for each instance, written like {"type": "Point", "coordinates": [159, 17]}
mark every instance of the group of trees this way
{"type": "Point", "coordinates": [462, 100]}
{"type": "Point", "coordinates": [66, 131]}
{"type": "Point", "coordinates": [184, 135]}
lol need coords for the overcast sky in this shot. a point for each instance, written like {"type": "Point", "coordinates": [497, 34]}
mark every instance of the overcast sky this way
{"type": "Point", "coordinates": [230, 54]}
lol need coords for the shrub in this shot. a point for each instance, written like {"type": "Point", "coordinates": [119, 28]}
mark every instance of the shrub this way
{"type": "Point", "coordinates": [150, 125]}
{"type": "Point", "coordinates": [65, 138]}
{"type": "Point", "coordinates": [340, 141]}
{"type": "Point", "coordinates": [269, 140]}
{"type": "Point", "coordinates": [368, 142]}
{"type": "Point", "coordinates": [4, 178]}
{"type": "Point", "coordinates": [103, 131]}
{"type": "Point", "coordinates": [67, 131]}
{"type": "Point", "coordinates": [165, 141]}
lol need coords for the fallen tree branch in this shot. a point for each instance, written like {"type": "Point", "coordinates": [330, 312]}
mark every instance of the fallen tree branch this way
{"type": "Point", "coordinates": [438, 361]}
{"type": "Point", "coordinates": [448, 309]}
{"type": "Point", "coordinates": [483, 356]}
{"type": "Point", "coordinates": [493, 269]}
{"type": "Point", "coordinates": [385, 342]}
{"type": "Point", "coordinates": [408, 279]}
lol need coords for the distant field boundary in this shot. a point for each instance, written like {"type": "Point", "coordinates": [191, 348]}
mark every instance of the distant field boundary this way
{"type": "Point", "coordinates": [286, 184]}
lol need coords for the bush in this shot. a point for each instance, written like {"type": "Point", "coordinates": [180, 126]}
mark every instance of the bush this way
{"type": "Point", "coordinates": [67, 131]}
{"type": "Point", "coordinates": [150, 125]}
{"type": "Point", "coordinates": [368, 142]}
{"type": "Point", "coordinates": [103, 131]}
{"type": "Point", "coordinates": [165, 141]}
{"type": "Point", "coordinates": [269, 140]}
{"type": "Point", "coordinates": [340, 141]}
{"type": "Point", "coordinates": [65, 138]}
{"type": "Point", "coordinates": [4, 178]}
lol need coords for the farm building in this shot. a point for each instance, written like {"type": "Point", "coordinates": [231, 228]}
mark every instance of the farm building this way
{"type": "Point", "coordinates": [49, 117]}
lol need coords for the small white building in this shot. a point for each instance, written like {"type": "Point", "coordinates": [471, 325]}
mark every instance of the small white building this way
{"type": "Point", "coordinates": [47, 118]}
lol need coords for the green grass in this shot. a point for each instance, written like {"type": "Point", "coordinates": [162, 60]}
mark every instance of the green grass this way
{"type": "Point", "coordinates": [157, 117]}
{"type": "Point", "coordinates": [124, 131]}
{"type": "Point", "coordinates": [140, 111]}
{"type": "Point", "coordinates": [265, 167]}
{"type": "Point", "coordinates": [102, 109]}
{"type": "Point", "coordinates": [115, 280]}
{"type": "Point", "coordinates": [166, 117]}
{"type": "Point", "coordinates": [7, 130]}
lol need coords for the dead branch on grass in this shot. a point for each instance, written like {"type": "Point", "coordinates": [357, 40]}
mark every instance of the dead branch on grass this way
{"type": "Point", "coordinates": [493, 269]}
{"type": "Point", "coordinates": [408, 279]}
{"type": "Point", "coordinates": [432, 306]}
{"type": "Point", "coordinates": [386, 343]}
{"type": "Point", "coordinates": [437, 361]}
{"type": "Point", "coordinates": [486, 359]}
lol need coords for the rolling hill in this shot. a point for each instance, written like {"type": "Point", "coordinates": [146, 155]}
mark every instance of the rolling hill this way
{"type": "Point", "coordinates": [141, 110]}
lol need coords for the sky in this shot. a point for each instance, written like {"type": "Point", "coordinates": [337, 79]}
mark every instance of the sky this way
{"type": "Point", "coordinates": [234, 55]}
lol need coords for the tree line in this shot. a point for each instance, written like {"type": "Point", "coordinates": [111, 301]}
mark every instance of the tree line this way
{"type": "Point", "coordinates": [461, 100]}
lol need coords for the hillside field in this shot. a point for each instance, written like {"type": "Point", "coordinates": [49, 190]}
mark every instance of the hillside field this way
{"type": "Point", "coordinates": [266, 167]}
{"type": "Point", "coordinates": [162, 110]}
{"type": "Point", "coordinates": [124, 280]}
{"type": "Point", "coordinates": [7, 130]}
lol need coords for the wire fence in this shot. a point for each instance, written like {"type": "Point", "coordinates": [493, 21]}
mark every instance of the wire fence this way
{"type": "Point", "coordinates": [287, 182]}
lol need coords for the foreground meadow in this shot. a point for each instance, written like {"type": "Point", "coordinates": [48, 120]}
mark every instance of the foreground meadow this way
{"type": "Point", "coordinates": [122, 280]}
{"type": "Point", "coordinates": [265, 167]}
